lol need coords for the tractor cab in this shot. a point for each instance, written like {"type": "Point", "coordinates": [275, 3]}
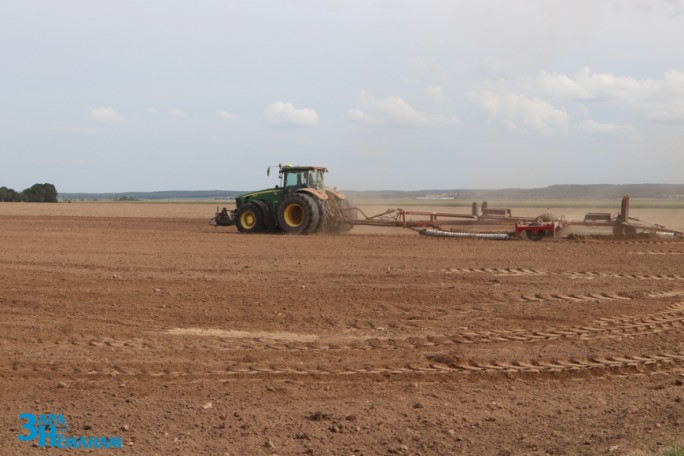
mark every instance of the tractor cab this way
{"type": "Point", "coordinates": [293, 178]}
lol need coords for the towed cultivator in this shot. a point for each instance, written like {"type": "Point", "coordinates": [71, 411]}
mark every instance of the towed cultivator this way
{"type": "Point", "coordinates": [439, 224]}
{"type": "Point", "coordinates": [302, 204]}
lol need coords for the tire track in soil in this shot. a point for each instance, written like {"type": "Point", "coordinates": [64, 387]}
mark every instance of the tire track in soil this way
{"type": "Point", "coordinates": [655, 252]}
{"type": "Point", "coordinates": [573, 275]}
{"type": "Point", "coordinates": [593, 275]}
{"type": "Point", "coordinates": [664, 294]}
{"type": "Point", "coordinates": [621, 326]}
{"type": "Point", "coordinates": [603, 328]}
{"type": "Point", "coordinates": [590, 297]}
{"type": "Point", "coordinates": [628, 365]}
{"type": "Point", "coordinates": [606, 327]}
{"type": "Point", "coordinates": [626, 242]}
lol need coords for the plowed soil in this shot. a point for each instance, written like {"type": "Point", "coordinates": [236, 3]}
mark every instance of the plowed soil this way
{"type": "Point", "coordinates": [142, 321]}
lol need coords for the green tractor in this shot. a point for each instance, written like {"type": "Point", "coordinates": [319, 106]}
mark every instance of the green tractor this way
{"type": "Point", "coordinates": [301, 204]}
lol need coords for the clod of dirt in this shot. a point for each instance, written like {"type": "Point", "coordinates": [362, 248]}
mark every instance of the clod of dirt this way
{"type": "Point", "coordinates": [318, 416]}
{"type": "Point", "coordinates": [61, 385]}
{"type": "Point", "coordinates": [447, 359]}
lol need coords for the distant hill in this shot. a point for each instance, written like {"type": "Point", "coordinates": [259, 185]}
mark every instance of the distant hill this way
{"type": "Point", "coordinates": [575, 192]}
{"type": "Point", "coordinates": [161, 195]}
{"type": "Point", "coordinates": [560, 192]}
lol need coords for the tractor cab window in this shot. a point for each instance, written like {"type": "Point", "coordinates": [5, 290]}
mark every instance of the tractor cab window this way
{"type": "Point", "coordinates": [300, 179]}
{"type": "Point", "coordinates": [295, 180]}
{"type": "Point", "coordinates": [316, 179]}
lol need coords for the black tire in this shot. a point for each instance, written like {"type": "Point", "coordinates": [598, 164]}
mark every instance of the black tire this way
{"type": "Point", "coordinates": [324, 216]}
{"type": "Point", "coordinates": [298, 214]}
{"type": "Point", "coordinates": [350, 213]}
{"type": "Point", "coordinates": [250, 218]}
{"type": "Point", "coordinates": [535, 237]}
{"type": "Point", "coordinates": [268, 218]}
{"type": "Point", "coordinates": [343, 214]}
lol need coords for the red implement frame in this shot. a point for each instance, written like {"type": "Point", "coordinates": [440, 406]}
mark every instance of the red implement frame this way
{"type": "Point", "coordinates": [405, 219]}
{"type": "Point", "coordinates": [535, 228]}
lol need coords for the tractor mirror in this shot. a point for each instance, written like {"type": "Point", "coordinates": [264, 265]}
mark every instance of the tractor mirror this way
{"type": "Point", "coordinates": [268, 169]}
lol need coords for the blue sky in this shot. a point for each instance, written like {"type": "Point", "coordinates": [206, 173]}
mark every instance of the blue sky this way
{"type": "Point", "coordinates": [120, 95]}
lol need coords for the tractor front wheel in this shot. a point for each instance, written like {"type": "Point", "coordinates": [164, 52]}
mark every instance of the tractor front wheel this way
{"type": "Point", "coordinates": [250, 219]}
{"type": "Point", "coordinates": [298, 214]}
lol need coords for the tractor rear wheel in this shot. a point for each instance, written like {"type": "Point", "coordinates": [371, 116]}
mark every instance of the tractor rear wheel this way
{"type": "Point", "coordinates": [250, 219]}
{"type": "Point", "coordinates": [298, 214]}
{"type": "Point", "coordinates": [342, 214]}
{"type": "Point", "coordinates": [349, 214]}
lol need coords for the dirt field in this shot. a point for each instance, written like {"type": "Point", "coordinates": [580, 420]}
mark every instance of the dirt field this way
{"type": "Point", "coordinates": [142, 321]}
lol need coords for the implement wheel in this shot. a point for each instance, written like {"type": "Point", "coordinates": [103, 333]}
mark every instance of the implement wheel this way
{"type": "Point", "coordinates": [250, 219]}
{"type": "Point", "coordinates": [298, 214]}
{"type": "Point", "coordinates": [535, 237]}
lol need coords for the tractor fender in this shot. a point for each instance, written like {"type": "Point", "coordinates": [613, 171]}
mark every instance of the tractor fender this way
{"type": "Point", "coordinates": [317, 194]}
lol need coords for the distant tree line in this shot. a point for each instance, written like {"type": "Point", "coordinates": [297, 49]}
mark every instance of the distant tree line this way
{"type": "Point", "coordinates": [38, 193]}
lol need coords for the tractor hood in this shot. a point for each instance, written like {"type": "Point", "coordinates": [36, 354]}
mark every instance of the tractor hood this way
{"type": "Point", "coordinates": [269, 194]}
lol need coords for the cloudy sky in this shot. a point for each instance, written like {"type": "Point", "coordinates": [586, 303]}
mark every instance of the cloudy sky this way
{"type": "Point", "coordinates": [107, 96]}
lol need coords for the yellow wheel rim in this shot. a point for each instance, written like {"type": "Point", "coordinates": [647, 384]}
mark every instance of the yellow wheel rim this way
{"type": "Point", "coordinates": [248, 219]}
{"type": "Point", "coordinates": [293, 215]}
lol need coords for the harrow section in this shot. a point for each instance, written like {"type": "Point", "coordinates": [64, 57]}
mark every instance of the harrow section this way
{"type": "Point", "coordinates": [441, 224]}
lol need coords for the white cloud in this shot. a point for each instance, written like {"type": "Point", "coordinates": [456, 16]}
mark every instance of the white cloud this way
{"type": "Point", "coordinates": [435, 93]}
{"type": "Point", "coordinates": [151, 109]}
{"type": "Point", "coordinates": [666, 112]}
{"type": "Point", "coordinates": [394, 111]}
{"type": "Point", "coordinates": [520, 113]}
{"type": "Point", "coordinates": [594, 130]}
{"type": "Point", "coordinates": [588, 86]}
{"type": "Point", "coordinates": [282, 113]}
{"type": "Point", "coordinates": [540, 104]}
{"type": "Point", "coordinates": [228, 117]}
{"type": "Point", "coordinates": [660, 100]}
{"type": "Point", "coordinates": [361, 117]}
{"type": "Point", "coordinates": [179, 113]}
{"type": "Point", "coordinates": [105, 115]}
{"type": "Point", "coordinates": [668, 8]}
